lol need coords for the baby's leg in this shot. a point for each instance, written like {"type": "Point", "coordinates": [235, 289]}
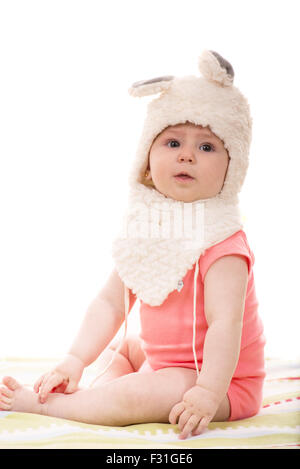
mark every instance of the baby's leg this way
{"type": "Point", "coordinates": [130, 399]}
{"type": "Point", "coordinates": [128, 360]}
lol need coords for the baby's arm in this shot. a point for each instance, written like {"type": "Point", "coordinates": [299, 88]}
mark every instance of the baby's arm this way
{"type": "Point", "coordinates": [102, 320]}
{"type": "Point", "coordinates": [225, 287]}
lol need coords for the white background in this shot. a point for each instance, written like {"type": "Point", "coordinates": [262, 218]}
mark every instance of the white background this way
{"type": "Point", "coordinates": [69, 130]}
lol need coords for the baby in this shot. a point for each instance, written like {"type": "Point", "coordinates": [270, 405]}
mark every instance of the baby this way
{"type": "Point", "coordinates": [200, 353]}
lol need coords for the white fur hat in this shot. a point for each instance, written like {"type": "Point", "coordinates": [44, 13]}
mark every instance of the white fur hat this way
{"type": "Point", "coordinates": [211, 100]}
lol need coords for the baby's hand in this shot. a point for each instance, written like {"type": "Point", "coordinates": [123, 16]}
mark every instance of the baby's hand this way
{"type": "Point", "coordinates": [64, 378]}
{"type": "Point", "coordinates": [195, 411]}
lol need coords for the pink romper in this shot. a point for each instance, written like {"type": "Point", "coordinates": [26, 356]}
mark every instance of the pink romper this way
{"type": "Point", "coordinates": [167, 330]}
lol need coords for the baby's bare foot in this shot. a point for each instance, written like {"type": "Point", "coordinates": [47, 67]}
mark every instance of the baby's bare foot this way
{"type": "Point", "coordinates": [15, 397]}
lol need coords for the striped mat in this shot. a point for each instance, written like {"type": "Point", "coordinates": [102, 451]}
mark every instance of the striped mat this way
{"type": "Point", "coordinates": [276, 426]}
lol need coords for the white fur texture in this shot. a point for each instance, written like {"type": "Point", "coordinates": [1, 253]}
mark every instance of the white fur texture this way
{"type": "Point", "coordinates": [147, 89]}
{"type": "Point", "coordinates": [152, 267]}
{"type": "Point", "coordinates": [211, 70]}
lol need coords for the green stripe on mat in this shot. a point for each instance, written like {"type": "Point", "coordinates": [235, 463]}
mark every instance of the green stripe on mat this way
{"type": "Point", "coordinates": [82, 440]}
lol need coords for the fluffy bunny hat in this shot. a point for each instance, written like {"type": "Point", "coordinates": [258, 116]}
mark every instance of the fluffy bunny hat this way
{"type": "Point", "coordinates": [209, 100]}
{"type": "Point", "coordinates": [153, 266]}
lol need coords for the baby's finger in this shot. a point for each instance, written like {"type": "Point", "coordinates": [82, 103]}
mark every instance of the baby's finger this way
{"type": "Point", "coordinates": [38, 383]}
{"type": "Point", "coordinates": [71, 387]}
{"type": "Point", "coordinates": [184, 418]}
{"type": "Point", "coordinates": [176, 410]}
{"type": "Point", "coordinates": [202, 425]}
{"type": "Point", "coordinates": [52, 382]}
{"type": "Point", "coordinates": [189, 427]}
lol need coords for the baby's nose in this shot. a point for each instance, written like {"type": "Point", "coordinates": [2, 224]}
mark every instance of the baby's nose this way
{"type": "Point", "coordinates": [187, 157]}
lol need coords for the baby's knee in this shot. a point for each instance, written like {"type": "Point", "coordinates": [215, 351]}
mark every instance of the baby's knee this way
{"type": "Point", "coordinates": [136, 354]}
{"type": "Point", "coordinates": [129, 339]}
{"type": "Point", "coordinates": [131, 349]}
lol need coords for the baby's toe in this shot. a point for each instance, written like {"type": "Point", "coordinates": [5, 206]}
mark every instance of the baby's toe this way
{"type": "Point", "coordinates": [5, 391]}
{"type": "Point", "coordinates": [4, 406]}
{"type": "Point", "coordinates": [11, 383]}
{"type": "Point", "coordinates": [5, 402]}
{"type": "Point", "coordinates": [4, 399]}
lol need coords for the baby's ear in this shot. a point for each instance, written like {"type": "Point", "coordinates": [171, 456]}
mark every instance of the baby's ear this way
{"type": "Point", "coordinates": [152, 86]}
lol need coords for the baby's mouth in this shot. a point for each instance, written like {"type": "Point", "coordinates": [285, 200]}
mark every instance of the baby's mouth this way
{"type": "Point", "coordinates": [183, 177]}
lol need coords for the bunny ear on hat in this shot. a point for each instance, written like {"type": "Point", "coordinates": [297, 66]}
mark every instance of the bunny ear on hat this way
{"type": "Point", "coordinates": [212, 66]}
{"type": "Point", "coordinates": [215, 68]}
{"type": "Point", "coordinates": [152, 86]}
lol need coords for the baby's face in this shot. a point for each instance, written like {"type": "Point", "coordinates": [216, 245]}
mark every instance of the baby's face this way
{"type": "Point", "coordinates": [187, 162]}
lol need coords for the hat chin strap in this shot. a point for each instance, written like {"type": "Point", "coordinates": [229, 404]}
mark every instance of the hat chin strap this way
{"type": "Point", "coordinates": [196, 273]}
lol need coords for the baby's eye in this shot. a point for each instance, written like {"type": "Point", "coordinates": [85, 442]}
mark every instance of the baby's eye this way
{"type": "Point", "coordinates": [173, 143]}
{"type": "Point", "coordinates": [207, 147]}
